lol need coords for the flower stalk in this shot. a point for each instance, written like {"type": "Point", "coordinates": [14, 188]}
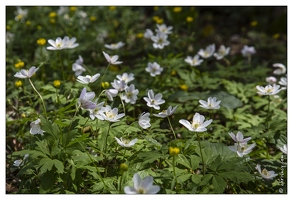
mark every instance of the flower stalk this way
{"type": "Point", "coordinates": [44, 107]}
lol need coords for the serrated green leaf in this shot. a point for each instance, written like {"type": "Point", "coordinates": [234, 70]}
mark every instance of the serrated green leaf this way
{"type": "Point", "coordinates": [183, 161]}
{"type": "Point", "coordinates": [59, 165]}
{"type": "Point", "coordinates": [46, 165]}
{"type": "Point", "coordinates": [219, 184]}
{"type": "Point", "coordinates": [196, 178]}
{"type": "Point", "coordinates": [43, 147]}
{"type": "Point", "coordinates": [182, 178]}
{"type": "Point", "coordinates": [205, 179]}
{"type": "Point", "coordinates": [194, 161]}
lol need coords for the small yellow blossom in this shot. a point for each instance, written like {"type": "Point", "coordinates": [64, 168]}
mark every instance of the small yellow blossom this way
{"type": "Point", "coordinates": [41, 41]}
{"type": "Point", "coordinates": [105, 85]}
{"type": "Point", "coordinates": [52, 14]}
{"type": "Point", "coordinates": [158, 20]}
{"type": "Point", "coordinates": [173, 73]}
{"type": "Point", "coordinates": [177, 9]}
{"type": "Point", "coordinates": [52, 21]}
{"type": "Point", "coordinates": [123, 167]}
{"type": "Point", "coordinates": [139, 35]}
{"type": "Point", "coordinates": [28, 23]}
{"type": "Point", "coordinates": [93, 18]}
{"type": "Point", "coordinates": [23, 115]}
{"type": "Point", "coordinates": [57, 83]}
{"type": "Point", "coordinates": [183, 87]}
{"type": "Point", "coordinates": [19, 64]}
{"type": "Point", "coordinates": [8, 27]}
{"type": "Point", "coordinates": [174, 151]}
{"type": "Point", "coordinates": [18, 83]}
{"type": "Point", "coordinates": [276, 35]}
{"type": "Point", "coordinates": [253, 23]}
{"type": "Point", "coordinates": [189, 19]}
{"type": "Point", "coordinates": [112, 7]}
{"type": "Point", "coordinates": [39, 27]}
{"type": "Point", "coordinates": [72, 8]}
{"type": "Point", "coordinates": [156, 7]}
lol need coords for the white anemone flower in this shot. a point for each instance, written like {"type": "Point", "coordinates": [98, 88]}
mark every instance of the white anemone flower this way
{"type": "Point", "coordinates": [36, 128]}
{"type": "Point", "coordinates": [112, 115]}
{"type": "Point", "coordinates": [126, 143]}
{"type": "Point", "coordinates": [140, 186]}
{"type": "Point", "coordinates": [88, 79]}
{"type": "Point", "coordinates": [193, 61]}
{"type": "Point", "coordinates": [268, 90]}
{"type": "Point", "coordinates": [20, 162]}
{"type": "Point", "coordinates": [144, 120]}
{"type": "Point", "coordinates": [208, 51]}
{"type": "Point", "coordinates": [97, 111]}
{"type": "Point", "coordinates": [126, 77]}
{"type": "Point", "coordinates": [78, 69]}
{"type": "Point", "coordinates": [24, 73]}
{"type": "Point", "coordinates": [154, 101]}
{"type": "Point", "coordinates": [222, 52]}
{"type": "Point", "coordinates": [148, 34]}
{"type": "Point", "coordinates": [20, 14]}
{"type": "Point", "coordinates": [284, 148]}
{"type": "Point", "coordinates": [85, 100]}
{"type": "Point", "coordinates": [154, 69]}
{"type": "Point", "coordinates": [130, 95]}
{"type": "Point", "coordinates": [281, 69]}
{"type": "Point", "coordinates": [166, 113]}
{"type": "Point", "coordinates": [160, 40]}
{"type": "Point", "coordinates": [271, 80]}
{"type": "Point", "coordinates": [119, 85]}
{"type": "Point", "coordinates": [247, 51]}
{"type": "Point", "coordinates": [283, 81]}
{"type": "Point", "coordinates": [212, 103]}
{"type": "Point", "coordinates": [111, 93]}
{"type": "Point", "coordinates": [115, 46]}
{"type": "Point", "coordinates": [238, 138]}
{"type": "Point", "coordinates": [242, 148]}
{"type": "Point", "coordinates": [197, 125]}
{"type": "Point", "coordinates": [164, 29]}
{"type": "Point", "coordinates": [70, 43]}
{"type": "Point", "coordinates": [265, 173]}
{"type": "Point", "coordinates": [58, 44]}
{"type": "Point", "coordinates": [112, 59]}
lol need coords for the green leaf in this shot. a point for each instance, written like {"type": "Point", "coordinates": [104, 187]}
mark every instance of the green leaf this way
{"type": "Point", "coordinates": [219, 184]}
{"type": "Point", "coordinates": [196, 178]}
{"type": "Point", "coordinates": [59, 165]}
{"type": "Point", "coordinates": [206, 179]}
{"type": "Point", "coordinates": [182, 178]}
{"type": "Point", "coordinates": [215, 163]}
{"type": "Point", "coordinates": [50, 128]}
{"type": "Point", "coordinates": [46, 164]}
{"type": "Point", "coordinates": [194, 161]}
{"type": "Point", "coordinates": [183, 161]}
{"type": "Point", "coordinates": [47, 181]}
{"type": "Point", "coordinates": [43, 147]}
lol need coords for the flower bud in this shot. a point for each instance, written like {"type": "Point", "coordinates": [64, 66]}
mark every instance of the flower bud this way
{"type": "Point", "coordinates": [123, 167]}
{"type": "Point", "coordinates": [56, 83]}
{"type": "Point", "coordinates": [18, 83]}
{"type": "Point", "coordinates": [174, 151]}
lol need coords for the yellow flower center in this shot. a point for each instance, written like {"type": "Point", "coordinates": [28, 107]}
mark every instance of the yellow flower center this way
{"type": "Point", "coordinates": [141, 191]}
{"type": "Point", "coordinates": [110, 114]}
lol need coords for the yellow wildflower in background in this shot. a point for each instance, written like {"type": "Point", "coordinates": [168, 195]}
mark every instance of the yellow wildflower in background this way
{"type": "Point", "coordinates": [41, 41]}
{"type": "Point", "coordinates": [52, 14]}
{"type": "Point", "coordinates": [112, 7]}
{"type": "Point", "coordinates": [158, 20]}
{"type": "Point", "coordinates": [139, 35]}
{"type": "Point", "coordinates": [253, 23]}
{"type": "Point", "coordinates": [105, 85]}
{"type": "Point", "coordinates": [189, 19]}
{"type": "Point", "coordinates": [183, 87]}
{"type": "Point", "coordinates": [174, 151]}
{"type": "Point", "coordinates": [39, 27]}
{"type": "Point", "coordinates": [276, 35]}
{"type": "Point", "coordinates": [177, 9]}
{"type": "Point", "coordinates": [93, 18]}
{"type": "Point", "coordinates": [57, 83]}
{"type": "Point", "coordinates": [8, 27]}
{"type": "Point", "coordinates": [72, 8]}
{"type": "Point", "coordinates": [52, 21]}
{"type": "Point", "coordinates": [156, 7]}
{"type": "Point", "coordinates": [173, 72]}
{"type": "Point", "coordinates": [123, 167]}
{"type": "Point", "coordinates": [28, 23]}
{"type": "Point", "coordinates": [18, 83]}
{"type": "Point", "coordinates": [19, 64]}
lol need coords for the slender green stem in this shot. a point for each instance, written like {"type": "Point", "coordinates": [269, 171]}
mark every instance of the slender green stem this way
{"type": "Point", "coordinates": [171, 127]}
{"type": "Point", "coordinates": [105, 145]}
{"type": "Point", "coordinates": [62, 67]}
{"type": "Point", "coordinates": [268, 112]}
{"type": "Point", "coordinates": [122, 103]}
{"type": "Point", "coordinates": [104, 75]}
{"type": "Point", "coordinates": [174, 172]}
{"type": "Point", "coordinates": [44, 107]}
{"type": "Point", "coordinates": [227, 61]}
{"type": "Point", "coordinates": [120, 184]}
{"type": "Point", "coordinates": [201, 155]}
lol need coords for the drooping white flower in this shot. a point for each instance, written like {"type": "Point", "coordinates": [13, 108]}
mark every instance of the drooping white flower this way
{"type": "Point", "coordinates": [242, 148]}
{"type": "Point", "coordinates": [78, 69]}
{"type": "Point", "coordinates": [126, 143]}
{"type": "Point", "coordinates": [85, 100]}
{"type": "Point", "coordinates": [271, 80]}
{"type": "Point", "coordinates": [283, 81]}
{"type": "Point", "coordinates": [166, 113]}
{"type": "Point", "coordinates": [20, 162]}
{"type": "Point", "coordinates": [126, 77]}
{"type": "Point", "coordinates": [164, 29]}
{"type": "Point", "coordinates": [88, 79]}
{"type": "Point", "coordinates": [247, 51]}
{"type": "Point", "coordinates": [97, 111]}
{"type": "Point", "coordinates": [238, 138]}
{"type": "Point", "coordinates": [115, 46]}
{"type": "Point", "coordinates": [112, 59]}
{"type": "Point", "coordinates": [208, 51]}
{"type": "Point", "coordinates": [119, 85]}
{"type": "Point", "coordinates": [140, 186]}
{"type": "Point", "coordinates": [265, 173]}
{"type": "Point", "coordinates": [160, 40]}
{"type": "Point", "coordinates": [36, 128]}
{"type": "Point", "coordinates": [70, 43]}
{"type": "Point", "coordinates": [281, 69]}
{"type": "Point", "coordinates": [130, 94]}
{"type": "Point", "coordinates": [24, 73]}
{"type": "Point", "coordinates": [144, 120]}
{"type": "Point", "coordinates": [193, 61]}
{"type": "Point", "coordinates": [20, 14]}
{"type": "Point", "coordinates": [212, 103]}
{"type": "Point", "coordinates": [112, 115]}
{"type": "Point", "coordinates": [283, 148]}
{"type": "Point", "coordinates": [148, 34]}
{"type": "Point", "coordinates": [268, 90]}
{"type": "Point", "coordinates": [222, 52]}
{"type": "Point", "coordinates": [110, 93]}
{"type": "Point", "coordinates": [154, 101]}
{"type": "Point", "coordinates": [154, 69]}
{"type": "Point", "coordinates": [197, 125]}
